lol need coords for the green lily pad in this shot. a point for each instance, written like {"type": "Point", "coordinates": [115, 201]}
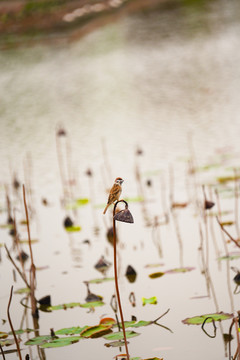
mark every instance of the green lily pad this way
{"type": "Point", "coordinates": [225, 179]}
{"type": "Point", "coordinates": [92, 304]}
{"type": "Point", "coordinates": [26, 241]}
{"type": "Point", "coordinates": [198, 320]}
{"type": "Point", "coordinates": [115, 344]}
{"type": "Point", "coordinates": [156, 275]}
{"type": "Point", "coordinates": [81, 202]}
{"type": "Point", "coordinates": [70, 331]}
{"type": "Point", "coordinates": [135, 199]}
{"type": "Point", "coordinates": [7, 342]}
{"type": "Point", "coordinates": [227, 223]}
{"type": "Point", "coordinates": [208, 167]}
{"type": "Point", "coordinates": [77, 203]}
{"type": "Point", "coordinates": [134, 324]}
{"type": "Point", "coordinates": [75, 304]}
{"type": "Point", "coordinates": [179, 270]}
{"type": "Point", "coordinates": [64, 306]}
{"type": "Point", "coordinates": [230, 256]}
{"type": "Point", "coordinates": [153, 265]}
{"type": "Point", "coordinates": [152, 301]}
{"type": "Point", "coordinates": [22, 331]}
{"type": "Point", "coordinates": [73, 228]}
{"type": "Point", "coordinates": [60, 342]}
{"type": "Point", "coordinates": [6, 226]}
{"type": "Point", "coordinates": [39, 340]}
{"type": "Point", "coordinates": [119, 335]}
{"type": "Point", "coordinates": [101, 280]}
{"type": "Point", "coordinates": [22, 291]}
{"type": "Point", "coordinates": [96, 331]}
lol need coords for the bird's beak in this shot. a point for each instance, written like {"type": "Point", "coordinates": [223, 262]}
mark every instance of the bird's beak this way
{"type": "Point", "coordinates": [122, 181]}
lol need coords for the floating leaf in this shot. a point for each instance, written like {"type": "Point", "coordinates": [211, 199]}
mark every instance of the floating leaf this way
{"type": "Point", "coordinates": [156, 275]}
{"type": "Point", "coordinates": [135, 199]}
{"type": "Point", "coordinates": [179, 270]}
{"type": "Point", "coordinates": [176, 205]}
{"type": "Point", "coordinates": [77, 203]}
{"type": "Point", "coordinates": [230, 256]}
{"type": "Point", "coordinates": [64, 306]}
{"type": "Point", "coordinates": [197, 320]}
{"type": "Point", "coordinates": [135, 324]}
{"type": "Point", "coordinates": [39, 340]}
{"type": "Point", "coordinates": [73, 228]}
{"type": "Point", "coordinates": [60, 342]}
{"type": "Point", "coordinates": [107, 321]}
{"type": "Point", "coordinates": [81, 202]}
{"type": "Point", "coordinates": [7, 342]}
{"type": "Point", "coordinates": [73, 305]}
{"type": "Point", "coordinates": [222, 213]}
{"type": "Point", "coordinates": [115, 344]}
{"type": "Point", "coordinates": [226, 223]}
{"type": "Point", "coordinates": [3, 335]}
{"type": "Point", "coordinates": [96, 331]}
{"type": "Point", "coordinates": [22, 331]}
{"type": "Point", "coordinates": [225, 179]}
{"type": "Point", "coordinates": [92, 304]}
{"type": "Point", "coordinates": [99, 281]}
{"type": "Point", "coordinates": [152, 300]}
{"type": "Point", "coordinates": [70, 331]}
{"type": "Point", "coordinates": [142, 323]}
{"type": "Point", "coordinates": [208, 167]}
{"type": "Point", "coordinates": [153, 265]}
{"type": "Point", "coordinates": [22, 291]}
{"type": "Point", "coordinates": [25, 241]}
{"type": "Point", "coordinates": [119, 335]}
{"type": "Point", "coordinates": [6, 226]}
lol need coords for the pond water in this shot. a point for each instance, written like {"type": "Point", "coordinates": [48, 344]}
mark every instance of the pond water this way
{"type": "Point", "coordinates": [166, 82]}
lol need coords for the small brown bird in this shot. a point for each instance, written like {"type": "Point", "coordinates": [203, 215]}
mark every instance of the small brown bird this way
{"type": "Point", "coordinates": [115, 192]}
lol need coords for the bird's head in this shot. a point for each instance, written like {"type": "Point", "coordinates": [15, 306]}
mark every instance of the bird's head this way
{"type": "Point", "coordinates": [119, 181]}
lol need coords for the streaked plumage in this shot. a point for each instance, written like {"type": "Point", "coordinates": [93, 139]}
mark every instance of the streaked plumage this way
{"type": "Point", "coordinates": [115, 193]}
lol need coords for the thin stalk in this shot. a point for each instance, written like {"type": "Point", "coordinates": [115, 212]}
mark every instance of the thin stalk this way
{"type": "Point", "coordinates": [116, 282]}
{"type": "Point", "coordinates": [205, 219]}
{"type": "Point", "coordinates": [18, 247]}
{"type": "Point", "coordinates": [16, 267]}
{"type": "Point", "coordinates": [236, 203]}
{"type": "Point", "coordinates": [2, 352]}
{"type": "Point", "coordinates": [237, 335]}
{"type": "Point", "coordinates": [11, 325]}
{"type": "Point", "coordinates": [32, 268]}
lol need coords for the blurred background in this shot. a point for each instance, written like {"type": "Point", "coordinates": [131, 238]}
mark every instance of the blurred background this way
{"type": "Point", "coordinates": [148, 90]}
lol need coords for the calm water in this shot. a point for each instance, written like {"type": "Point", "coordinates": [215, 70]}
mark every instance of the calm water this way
{"type": "Point", "coordinates": [153, 81]}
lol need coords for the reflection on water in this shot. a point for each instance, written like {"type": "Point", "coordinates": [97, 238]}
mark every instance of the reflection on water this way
{"type": "Point", "coordinates": [163, 82]}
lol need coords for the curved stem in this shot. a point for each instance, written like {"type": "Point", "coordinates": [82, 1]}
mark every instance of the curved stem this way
{"type": "Point", "coordinates": [11, 325]}
{"type": "Point", "coordinates": [116, 277]}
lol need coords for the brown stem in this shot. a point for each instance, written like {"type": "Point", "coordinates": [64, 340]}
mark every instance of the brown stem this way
{"type": "Point", "coordinates": [116, 279]}
{"type": "Point", "coordinates": [227, 233]}
{"type": "Point", "coordinates": [236, 202]}
{"type": "Point", "coordinates": [16, 267]}
{"type": "Point", "coordinates": [11, 325]}
{"type": "Point", "coordinates": [237, 335]}
{"type": "Point", "coordinates": [2, 352]}
{"type": "Point", "coordinates": [33, 268]}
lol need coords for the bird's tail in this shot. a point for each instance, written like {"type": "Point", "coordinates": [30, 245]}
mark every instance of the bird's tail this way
{"type": "Point", "coordinates": [104, 212]}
